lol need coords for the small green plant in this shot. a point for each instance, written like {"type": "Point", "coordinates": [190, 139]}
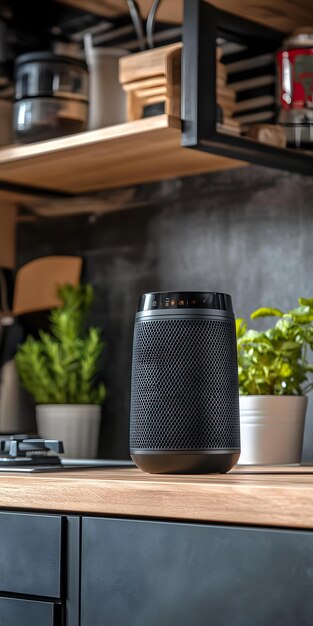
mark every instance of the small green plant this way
{"type": "Point", "coordinates": [60, 366]}
{"type": "Point", "coordinates": [274, 362]}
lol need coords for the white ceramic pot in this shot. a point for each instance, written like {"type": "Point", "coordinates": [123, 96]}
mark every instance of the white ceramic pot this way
{"type": "Point", "coordinates": [271, 429]}
{"type": "Point", "coordinates": [77, 425]}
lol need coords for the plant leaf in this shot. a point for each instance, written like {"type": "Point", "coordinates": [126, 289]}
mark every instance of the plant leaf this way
{"type": "Point", "coordinates": [306, 302]}
{"type": "Point", "coordinates": [275, 361]}
{"type": "Point", "coordinates": [303, 314]}
{"type": "Point", "coordinates": [241, 327]}
{"type": "Point", "coordinates": [266, 312]}
{"type": "Point", "coordinates": [61, 366]}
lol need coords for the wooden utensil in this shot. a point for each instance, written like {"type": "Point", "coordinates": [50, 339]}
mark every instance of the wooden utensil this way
{"type": "Point", "coordinates": [37, 282]}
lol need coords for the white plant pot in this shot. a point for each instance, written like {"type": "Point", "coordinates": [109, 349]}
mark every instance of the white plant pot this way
{"type": "Point", "coordinates": [271, 429]}
{"type": "Point", "coordinates": [77, 425]}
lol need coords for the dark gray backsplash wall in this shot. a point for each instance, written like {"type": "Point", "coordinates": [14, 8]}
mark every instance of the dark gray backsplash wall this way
{"type": "Point", "coordinates": [248, 232]}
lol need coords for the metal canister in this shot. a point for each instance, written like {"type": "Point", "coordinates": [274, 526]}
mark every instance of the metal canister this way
{"type": "Point", "coordinates": [295, 87]}
{"type": "Point", "coordinates": [51, 96]}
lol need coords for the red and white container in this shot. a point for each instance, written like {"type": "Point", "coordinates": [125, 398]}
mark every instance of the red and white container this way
{"type": "Point", "coordinates": [295, 87]}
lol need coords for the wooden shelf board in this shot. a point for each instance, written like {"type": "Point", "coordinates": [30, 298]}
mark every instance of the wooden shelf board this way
{"type": "Point", "coordinates": [135, 152]}
{"type": "Point", "coordinates": [282, 14]}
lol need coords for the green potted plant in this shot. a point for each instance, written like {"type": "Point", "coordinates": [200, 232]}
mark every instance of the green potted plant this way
{"type": "Point", "coordinates": [58, 369]}
{"type": "Point", "coordinates": [274, 375]}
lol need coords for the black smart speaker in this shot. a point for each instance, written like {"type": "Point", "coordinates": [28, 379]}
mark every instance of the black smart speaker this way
{"type": "Point", "coordinates": [184, 393]}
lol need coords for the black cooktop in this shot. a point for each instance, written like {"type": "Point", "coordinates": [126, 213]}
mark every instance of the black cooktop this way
{"type": "Point", "coordinates": [21, 453]}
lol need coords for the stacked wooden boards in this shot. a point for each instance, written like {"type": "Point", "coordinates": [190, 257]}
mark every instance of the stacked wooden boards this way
{"type": "Point", "coordinates": [154, 77]}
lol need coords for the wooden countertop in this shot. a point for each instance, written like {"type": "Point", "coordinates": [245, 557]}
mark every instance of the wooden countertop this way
{"type": "Point", "coordinates": [259, 496]}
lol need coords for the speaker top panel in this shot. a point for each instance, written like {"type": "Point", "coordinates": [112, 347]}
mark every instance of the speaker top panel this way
{"type": "Point", "coordinates": [163, 300]}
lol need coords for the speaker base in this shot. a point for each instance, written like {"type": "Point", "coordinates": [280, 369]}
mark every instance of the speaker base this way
{"type": "Point", "coordinates": [210, 462]}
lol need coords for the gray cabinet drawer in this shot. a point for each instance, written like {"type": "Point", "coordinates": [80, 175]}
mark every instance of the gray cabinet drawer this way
{"type": "Point", "coordinates": [143, 573]}
{"type": "Point", "coordinates": [30, 554]}
{"type": "Point", "coordinates": [15, 612]}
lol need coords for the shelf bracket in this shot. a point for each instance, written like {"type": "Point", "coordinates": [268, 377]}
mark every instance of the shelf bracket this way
{"type": "Point", "coordinates": [203, 26]}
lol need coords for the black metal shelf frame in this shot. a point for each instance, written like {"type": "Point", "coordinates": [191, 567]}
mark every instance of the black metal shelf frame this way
{"type": "Point", "coordinates": [203, 25]}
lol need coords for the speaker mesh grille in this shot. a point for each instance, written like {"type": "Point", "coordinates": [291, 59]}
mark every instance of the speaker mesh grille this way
{"type": "Point", "coordinates": [184, 385]}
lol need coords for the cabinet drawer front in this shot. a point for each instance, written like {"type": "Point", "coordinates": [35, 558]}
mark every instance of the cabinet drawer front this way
{"type": "Point", "coordinates": [30, 554]}
{"type": "Point", "coordinates": [14, 612]}
{"type": "Point", "coordinates": [171, 574]}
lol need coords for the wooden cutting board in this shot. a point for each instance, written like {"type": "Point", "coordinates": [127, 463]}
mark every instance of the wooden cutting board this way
{"type": "Point", "coordinates": [37, 282]}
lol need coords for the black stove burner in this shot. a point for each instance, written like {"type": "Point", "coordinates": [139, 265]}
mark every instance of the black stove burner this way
{"type": "Point", "coordinates": [20, 450]}
{"type": "Point", "coordinates": [20, 453]}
